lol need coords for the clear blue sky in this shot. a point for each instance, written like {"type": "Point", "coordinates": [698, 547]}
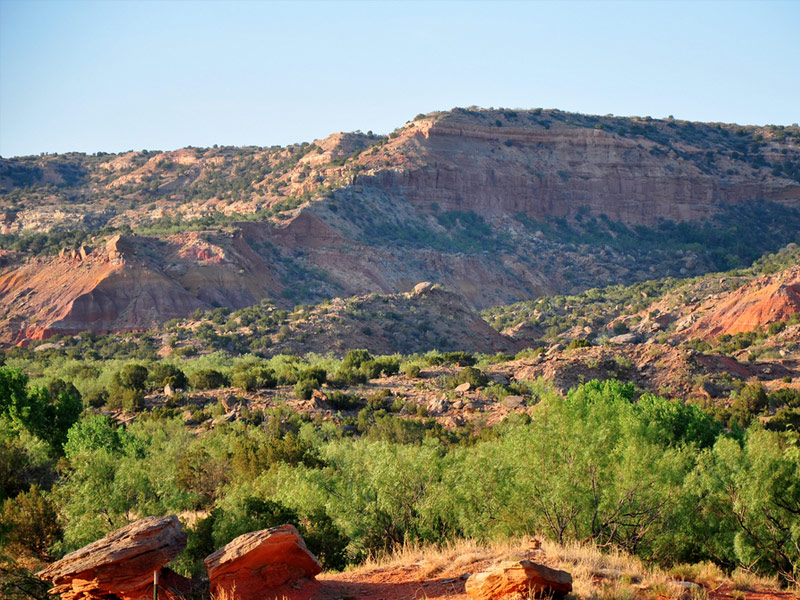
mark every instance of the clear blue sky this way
{"type": "Point", "coordinates": [116, 75]}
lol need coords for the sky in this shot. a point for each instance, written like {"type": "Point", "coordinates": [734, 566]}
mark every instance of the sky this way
{"type": "Point", "coordinates": [118, 75]}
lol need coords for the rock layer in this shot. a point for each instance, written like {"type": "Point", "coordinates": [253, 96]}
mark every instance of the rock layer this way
{"type": "Point", "coordinates": [258, 561]}
{"type": "Point", "coordinates": [122, 563]}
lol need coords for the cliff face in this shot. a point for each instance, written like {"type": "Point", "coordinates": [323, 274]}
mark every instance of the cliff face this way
{"type": "Point", "coordinates": [496, 205]}
{"type": "Point", "coordinates": [516, 165]}
{"type": "Point", "coordinates": [752, 306]}
{"type": "Point", "coordinates": [127, 284]}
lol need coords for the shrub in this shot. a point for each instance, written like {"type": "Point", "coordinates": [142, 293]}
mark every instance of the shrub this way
{"type": "Point", "coordinates": [132, 401]}
{"type": "Point", "coordinates": [316, 374]}
{"type": "Point", "coordinates": [412, 371]}
{"type": "Point", "coordinates": [93, 433]}
{"type": "Point", "coordinates": [341, 401]}
{"type": "Point", "coordinates": [163, 374]}
{"type": "Point", "coordinates": [304, 388]}
{"type": "Point", "coordinates": [776, 327]}
{"type": "Point", "coordinates": [96, 398]}
{"type": "Point", "coordinates": [345, 377]}
{"type": "Point", "coordinates": [31, 522]}
{"type": "Point", "coordinates": [132, 377]}
{"type": "Point", "coordinates": [354, 359]}
{"type": "Point", "coordinates": [579, 343]}
{"type": "Point", "coordinates": [748, 496]}
{"type": "Point", "coordinates": [471, 375]}
{"type": "Point", "coordinates": [208, 379]}
{"type": "Point", "coordinates": [45, 415]}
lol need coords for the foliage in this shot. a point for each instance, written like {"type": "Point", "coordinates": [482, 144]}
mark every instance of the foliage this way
{"type": "Point", "coordinates": [29, 522]}
{"type": "Point", "coordinates": [208, 379]}
{"type": "Point", "coordinates": [475, 377]}
{"type": "Point", "coordinates": [749, 495]}
{"type": "Point", "coordinates": [45, 415]}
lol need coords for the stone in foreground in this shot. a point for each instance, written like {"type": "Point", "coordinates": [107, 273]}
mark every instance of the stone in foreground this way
{"type": "Point", "coordinates": [122, 564]}
{"type": "Point", "coordinates": [518, 579]}
{"type": "Point", "coordinates": [255, 562]}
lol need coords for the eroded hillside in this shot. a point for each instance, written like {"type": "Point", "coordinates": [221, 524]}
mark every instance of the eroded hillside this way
{"type": "Point", "coordinates": [496, 205]}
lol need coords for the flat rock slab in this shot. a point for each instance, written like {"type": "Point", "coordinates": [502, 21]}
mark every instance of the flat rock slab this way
{"type": "Point", "coordinates": [122, 563]}
{"type": "Point", "coordinates": [256, 562]}
{"type": "Point", "coordinates": [518, 578]}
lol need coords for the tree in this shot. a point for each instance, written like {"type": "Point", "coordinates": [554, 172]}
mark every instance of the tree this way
{"type": "Point", "coordinates": [47, 415]}
{"type": "Point", "coordinates": [749, 495]}
{"type": "Point", "coordinates": [29, 522]}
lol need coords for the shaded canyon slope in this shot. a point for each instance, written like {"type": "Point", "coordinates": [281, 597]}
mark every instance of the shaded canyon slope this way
{"type": "Point", "coordinates": [496, 205]}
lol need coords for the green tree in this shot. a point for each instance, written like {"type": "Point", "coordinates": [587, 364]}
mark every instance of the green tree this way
{"type": "Point", "coordinates": [45, 415]}
{"type": "Point", "coordinates": [30, 523]}
{"type": "Point", "coordinates": [749, 495]}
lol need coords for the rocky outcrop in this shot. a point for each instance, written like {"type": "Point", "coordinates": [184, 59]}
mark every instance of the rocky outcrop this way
{"type": "Point", "coordinates": [757, 304]}
{"type": "Point", "coordinates": [122, 564]}
{"type": "Point", "coordinates": [519, 579]}
{"type": "Point", "coordinates": [256, 562]}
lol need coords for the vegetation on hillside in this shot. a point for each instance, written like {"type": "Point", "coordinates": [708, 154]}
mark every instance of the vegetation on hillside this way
{"type": "Point", "coordinates": [598, 308]}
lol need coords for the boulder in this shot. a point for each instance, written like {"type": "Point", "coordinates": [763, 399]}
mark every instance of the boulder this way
{"type": "Point", "coordinates": [122, 564]}
{"type": "Point", "coordinates": [258, 561]}
{"type": "Point", "coordinates": [438, 406]}
{"type": "Point", "coordinates": [514, 578]}
{"type": "Point", "coordinates": [513, 401]}
{"type": "Point", "coordinates": [464, 387]}
{"type": "Point", "coordinates": [625, 338]}
{"type": "Point", "coordinates": [423, 287]}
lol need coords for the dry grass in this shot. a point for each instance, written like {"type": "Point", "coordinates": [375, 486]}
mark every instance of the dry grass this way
{"type": "Point", "coordinates": [433, 559]}
{"type": "Point", "coordinates": [597, 574]}
{"type": "Point", "coordinates": [224, 594]}
{"type": "Point", "coordinates": [746, 581]}
{"type": "Point", "coordinates": [705, 573]}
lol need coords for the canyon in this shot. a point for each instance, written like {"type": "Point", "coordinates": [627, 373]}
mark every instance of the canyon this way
{"type": "Point", "coordinates": [497, 206]}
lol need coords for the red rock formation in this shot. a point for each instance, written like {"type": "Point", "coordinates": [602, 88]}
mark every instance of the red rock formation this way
{"type": "Point", "coordinates": [256, 562]}
{"type": "Point", "coordinates": [127, 285]}
{"type": "Point", "coordinates": [519, 578]}
{"type": "Point", "coordinates": [757, 304]}
{"type": "Point", "coordinates": [122, 564]}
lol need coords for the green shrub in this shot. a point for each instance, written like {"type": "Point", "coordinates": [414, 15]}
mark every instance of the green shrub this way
{"type": "Point", "coordinates": [30, 522]}
{"type": "Point", "coordinates": [208, 379]}
{"type": "Point", "coordinates": [471, 375]}
{"type": "Point", "coordinates": [354, 359]}
{"type": "Point", "coordinates": [132, 377]}
{"type": "Point", "coordinates": [340, 401]}
{"type": "Point", "coordinates": [776, 327]}
{"type": "Point", "coordinates": [45, 415]}
{"type": "Point", "coordinates": [304, 388]}
{"type": "Point", "coordinates": [412, 371]}
{"type": "Point", "coordinates": [162, 374]}
{"type": "Point", "coordinates": [96, 398]}
{"type": "Point", "coordinates": [254, 378]}
{"type": "Point", "coordinates": [132, 401]}
{"type": "Point", "coordinates": [579, 343]}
